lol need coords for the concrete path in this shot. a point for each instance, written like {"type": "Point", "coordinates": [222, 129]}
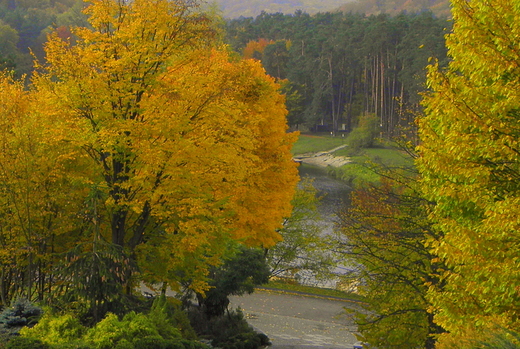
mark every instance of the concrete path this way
{"type": "Point", "coordinates": [299, 322]}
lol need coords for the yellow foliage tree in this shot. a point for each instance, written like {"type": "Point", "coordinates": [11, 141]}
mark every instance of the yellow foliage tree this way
{"type": "Point", "coordinates": [470, 164]}
{"type": "Point", "coordinates": [186, 148]}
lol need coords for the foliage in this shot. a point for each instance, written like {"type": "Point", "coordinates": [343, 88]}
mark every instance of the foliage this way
{"type": "Point", "coordinates": [95, 275]}
{"type": "Point", "coordinates": [93, 169]}
{"type": "Point", "coordinates": [236, 9]}
{"type": "Point", "coordinates": [162, 326]}
{"type": "Point", "coordinates": [52, 329]}
{"type": "Point", "coordinates": [26, 343]}
{"type": "Point", "coordinates": [364, 135]}
{"type": "Point", "coordinates": [345, 65]}
{"type": "Point", "coordinates": [20, 314]}
{"type": "Point", "coordinates": [470, 164]}
{"type": "Point", "coordinates": [238, 275]}
{"type": "Point", "coordinates": [229, 331]}
{"type": "Point", "coordinates": [382, 233]}
{"type": "Point", "coordinates": [500, 339]}
{"type": "Point", "coordinates": [440, 8]}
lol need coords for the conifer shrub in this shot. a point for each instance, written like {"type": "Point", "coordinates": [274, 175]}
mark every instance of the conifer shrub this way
{"type": "Point", "coordinates": [156, 329]}
{"type": "Point", "coordinates": [21, 314]}
{"type": "Point", "coordinates": [54, 329]}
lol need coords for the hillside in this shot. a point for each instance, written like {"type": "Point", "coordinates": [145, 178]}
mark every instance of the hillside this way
{"type": "Point", "coordinates": [440, 8]}
{"type": "Point", "coordinates": [252, 8]}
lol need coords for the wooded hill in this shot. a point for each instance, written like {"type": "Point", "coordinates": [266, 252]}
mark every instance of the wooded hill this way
{"type": "Point", "coordinates": [440, 8]}
{"type": "Point", "coordinates": [237, 8]}
{"type": "Point", "coordinates": [252, 8]}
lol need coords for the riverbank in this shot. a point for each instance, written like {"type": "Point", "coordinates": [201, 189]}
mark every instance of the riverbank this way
{"type": "Point", "coordinates": [324, 158]}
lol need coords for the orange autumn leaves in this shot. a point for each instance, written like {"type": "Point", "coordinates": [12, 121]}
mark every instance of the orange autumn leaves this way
{"type": "Point", "coordinates": [188, 146]}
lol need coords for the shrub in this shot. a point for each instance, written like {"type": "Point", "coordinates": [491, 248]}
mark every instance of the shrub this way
{"type": "Point", "coordinates": [54, 329]}
{"type": "Point", "coordinates": [170, 320]}
{"type": "Point", "coordinates": [124, 344]}
{"type": "Point", "coordinates": [22, 313]}
{"type": "Point", "coordinates": [151, 342]}
{"type": "Point", "coordinates": [364, 135]}
{"type": "Point", "coordinates": [73, 345]}
{"type": "Point", "coordinates": [26, 343]}
{"type": "Point", "coordinates": [230, 331]}
{"type": "Point", "coordinates": [107, 332]}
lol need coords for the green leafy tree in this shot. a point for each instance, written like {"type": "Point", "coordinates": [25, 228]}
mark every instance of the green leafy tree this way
{"type": "Point", "coordinates": [470, 166]}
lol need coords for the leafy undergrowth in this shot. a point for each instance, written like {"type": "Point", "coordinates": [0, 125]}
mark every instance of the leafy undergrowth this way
{"type": "Point", "coordinates": [318, 291]}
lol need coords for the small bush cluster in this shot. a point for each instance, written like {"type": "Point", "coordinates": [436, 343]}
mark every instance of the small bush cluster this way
{"type": "Point", "coordinates": [363, 136]}
{"type": "Point", "coordinates": [229, 331]}
{"type": "Point", "coordinates": [164, 326]}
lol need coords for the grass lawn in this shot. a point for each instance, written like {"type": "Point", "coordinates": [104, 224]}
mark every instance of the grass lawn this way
{"type": "Point", "coordinates": [360, 169]}
{"type": "Point", "coordinates": [387, 156]}
{"type": "Point", "coordinates": [315, 143]}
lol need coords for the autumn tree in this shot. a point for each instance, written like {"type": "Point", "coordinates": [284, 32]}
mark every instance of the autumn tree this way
{"type": "Point", "coordinates": [382, 236]}
{"type": "Point", "coordinates": [169, 148]}
{"type": "Point", "coordinates": [471, 168]}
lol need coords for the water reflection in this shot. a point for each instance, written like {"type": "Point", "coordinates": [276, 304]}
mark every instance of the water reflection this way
{"type": "Point", "coordinates": [334, 193]}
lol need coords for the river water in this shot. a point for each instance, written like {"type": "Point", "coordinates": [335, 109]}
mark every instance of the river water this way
{"type": "Point", "coordinates": [334, 195]}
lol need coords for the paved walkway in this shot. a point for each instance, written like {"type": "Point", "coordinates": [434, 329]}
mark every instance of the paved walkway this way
{"type": "Point", "coordinates": [299, 322]}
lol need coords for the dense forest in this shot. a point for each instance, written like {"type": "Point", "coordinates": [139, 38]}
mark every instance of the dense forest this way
{"type": "Point", "coordinates": [236, 8]}
{"type": "Point", "coordinates": [341, 66]}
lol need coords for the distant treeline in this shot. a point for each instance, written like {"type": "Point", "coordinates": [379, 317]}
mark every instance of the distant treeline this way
{"type": "Point", "coordinates": [24, 25]}
{"type": "Point", "coordinates": [341, 66]}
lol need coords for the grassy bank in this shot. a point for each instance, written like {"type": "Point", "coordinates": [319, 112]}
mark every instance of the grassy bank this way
{"type": "Point", "coordinates": [314, 143]}
{"type": "Point", "coordinates": [361, 169]}
{"type": "Point", "coordinates": [366, 163]}
{"type": "Point", "coordinates": [318, 291]}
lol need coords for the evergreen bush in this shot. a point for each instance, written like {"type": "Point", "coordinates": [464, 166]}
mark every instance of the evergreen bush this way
{"type": "Point", "coordinates": [22, 313]}
{"type": "Point", "coordinates": [55, 329]}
